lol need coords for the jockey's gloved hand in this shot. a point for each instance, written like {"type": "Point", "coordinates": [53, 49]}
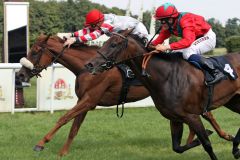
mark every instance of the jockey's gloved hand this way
{"type": "Point", "coordinates": [70, 41]}
{"type": "Point", "coordinates": [150, 47]}
{"type": "Point", "coordinates": [162, 48]}
{"type": "Point", "coordinates": [65, 35]}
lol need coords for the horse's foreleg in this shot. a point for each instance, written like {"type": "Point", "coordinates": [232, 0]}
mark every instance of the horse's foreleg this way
{"type": "Point", "coordinates": [236, 141]}
{"type": "Point", "coordinates": [82, 106]}
{"type": "Point", "coordinates": [195, 123]}
{"type": "Point", "coordinates": [191, 135]}
{"type": "Point", "coordinates": [176, 132]}
{"type": "Point", "coordinates": [209, 117]}
{"type": "Point", "coordinates": [73, 132]}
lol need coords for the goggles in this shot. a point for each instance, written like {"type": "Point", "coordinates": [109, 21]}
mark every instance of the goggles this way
{"type": "Point", "coordinates": [164, 21]}
{"type": "Point", "coordinates": [93, 25]}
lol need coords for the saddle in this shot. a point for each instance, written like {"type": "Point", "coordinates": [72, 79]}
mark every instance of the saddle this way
{"type": "Point", "coordinates": [129, 79]}
{"type": "Point", "coordinates": [222, 64]}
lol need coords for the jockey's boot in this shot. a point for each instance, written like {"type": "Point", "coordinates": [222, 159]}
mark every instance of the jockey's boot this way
{"type": "Point", "coordinates": [215, 73]}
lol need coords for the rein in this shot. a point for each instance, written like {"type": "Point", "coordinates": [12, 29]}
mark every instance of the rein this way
{"type": "Point", "coordinates": [38, 68]}
{"type": "Point", "coordinates": [109, 62]}
{"type": "Point", "coordinates": [58, 56]}
{"type": "Point", "coordinates": [139, 55]}
{"type": "Point", "coordinates": [158, 31]}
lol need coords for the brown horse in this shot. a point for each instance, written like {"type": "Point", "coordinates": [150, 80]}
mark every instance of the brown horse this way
{"type": "Point", "coordinates": [47, 50]}
{"type": "Point", "coordinates": [176, 87]}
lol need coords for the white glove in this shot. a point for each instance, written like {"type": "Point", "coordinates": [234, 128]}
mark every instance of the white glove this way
{"type": "Point", "coordinates": [64, 35]}
{"type": "Point", "coordinates": [70, 41]}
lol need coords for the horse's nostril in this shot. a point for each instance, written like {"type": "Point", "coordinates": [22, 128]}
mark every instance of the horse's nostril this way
{"type": "Point", "coordinates": [20, 76]}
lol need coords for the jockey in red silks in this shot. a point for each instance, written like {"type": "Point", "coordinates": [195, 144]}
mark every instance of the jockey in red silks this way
{"type": "Point", "coordinates": [197, 37]}
{"type": "Point", "coordinates": [97, 24]}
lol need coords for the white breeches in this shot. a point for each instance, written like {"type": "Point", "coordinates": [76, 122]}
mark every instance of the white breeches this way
{"type": "Point", "coordinates": [200, 46]}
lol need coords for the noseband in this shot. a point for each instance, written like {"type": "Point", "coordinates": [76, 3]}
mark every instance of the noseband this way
{"type": "Point", "coordinates": [37, 67]}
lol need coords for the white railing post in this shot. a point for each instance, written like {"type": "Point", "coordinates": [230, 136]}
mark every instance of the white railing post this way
{"type": "Point", "coordinates": [13, 92]}
{"type": "Point", "coordinates": [51, 90]}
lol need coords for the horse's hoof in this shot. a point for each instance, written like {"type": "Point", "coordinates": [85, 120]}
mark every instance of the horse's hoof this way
{"type": "Point", "coordinates": [209, 132]}
{"type": "Point", "coordinates": [230, 137]}
{"type": "Point", "coordinates": [236, 154]}
{"type": "Point", "coordinates": [38, 148]}
{"type": "Point", "coordinates": [62, 153]}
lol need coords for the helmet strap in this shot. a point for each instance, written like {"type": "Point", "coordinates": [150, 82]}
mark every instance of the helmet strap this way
{"type": "Point", "coordinates": [170, 25]}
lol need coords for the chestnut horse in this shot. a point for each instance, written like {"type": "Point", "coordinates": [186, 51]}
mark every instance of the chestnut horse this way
{"type": "Point", "coordinates": [176, 87]}
{"type": "Point", "coordinates": [91, 90]}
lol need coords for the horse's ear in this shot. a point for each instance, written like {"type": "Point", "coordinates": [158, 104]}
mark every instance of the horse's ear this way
{"type": "Point", "coordinates": [48, 36]}
{"type": "Point", "coordinates": [128, 31]}
{"type": "Point", "coordinates": [110, 34]}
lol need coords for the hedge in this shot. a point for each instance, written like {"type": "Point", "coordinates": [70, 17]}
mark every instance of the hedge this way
{"type": "Point", "coordinates": [233, 43]}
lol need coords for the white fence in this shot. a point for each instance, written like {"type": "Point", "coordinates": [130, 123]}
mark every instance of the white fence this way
{"type": "Point", "coordinates": [7, 87]}
{"type": "Point", "coordinates": [55, 90]}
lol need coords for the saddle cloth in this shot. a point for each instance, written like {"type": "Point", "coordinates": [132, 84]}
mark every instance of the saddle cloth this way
{"type": "Point", "coordinates": [221, 63]}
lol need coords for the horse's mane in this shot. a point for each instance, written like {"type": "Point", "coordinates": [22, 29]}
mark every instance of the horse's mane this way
{"type": "Point", "coordinates": [77, 46]}
{"type": "Point", "coordinates": [141, 41]}
{"type": "Point", "coordinates": [81, 46]}
{"type": "Point", "coordinates": [172, 56]}
{"type": "Point", "coordinates": [57, 39]}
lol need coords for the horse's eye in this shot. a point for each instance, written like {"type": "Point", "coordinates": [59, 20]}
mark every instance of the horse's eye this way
{"type": "Point", "coordinates": [113, 45]}
{"type": "Point", "coordinates": [34, 53]}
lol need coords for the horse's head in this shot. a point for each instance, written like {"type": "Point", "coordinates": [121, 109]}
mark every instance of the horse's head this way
{"type": "Point", "coordinates": [38, 58]}
{"type": "Point", "coordinates": [119, 47]}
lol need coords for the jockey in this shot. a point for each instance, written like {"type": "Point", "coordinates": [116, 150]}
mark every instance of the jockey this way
{"type": "Point", "coordinates": [197, 37]}
{"type": "Point", "coordinates": [97, 24]}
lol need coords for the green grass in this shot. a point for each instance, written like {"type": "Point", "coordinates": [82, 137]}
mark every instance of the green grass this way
{"type": "Point", "coordinates": [219, 51]}
{"type": "Point", "coordinates": [216, 52]}
{"type": "Point", "coordinates": [30, 94]}
{"type": "Point", "coordinates": [142, 134]}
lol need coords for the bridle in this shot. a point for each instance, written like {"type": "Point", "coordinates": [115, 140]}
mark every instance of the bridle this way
{"type": "Point", "coordinates": [109, 62]}
{"type": "Point", "coordinates": [37, 68]}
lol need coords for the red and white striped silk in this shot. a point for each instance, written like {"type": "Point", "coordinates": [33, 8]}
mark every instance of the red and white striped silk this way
{"type": "Point", "coordinates": [86, 34]}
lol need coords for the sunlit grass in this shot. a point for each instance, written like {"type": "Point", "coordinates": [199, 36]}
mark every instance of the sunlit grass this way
{"type": "Point", "coordinates": [142, 134]}
{"type": "Point", "coordinates": [219, 51]}
{"type": "Point", "coordinates": [30, 94]}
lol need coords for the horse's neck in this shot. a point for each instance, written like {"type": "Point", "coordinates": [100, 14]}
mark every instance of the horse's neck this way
{"type": "Point", "coordinates": [80, 55]}
{"type": "Point", "coordinates": [75, 60]}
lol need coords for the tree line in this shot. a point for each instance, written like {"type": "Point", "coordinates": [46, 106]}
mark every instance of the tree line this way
{"type": "Point", "coordinates": [68, 16]}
